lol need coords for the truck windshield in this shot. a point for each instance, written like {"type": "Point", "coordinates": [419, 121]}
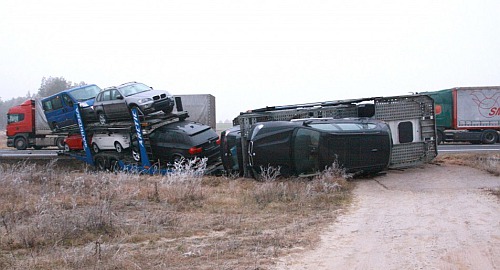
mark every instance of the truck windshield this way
{"type": "Point", "coordinates": [13, 118]}
{"type": "Point", "coordinates": [85, 93]}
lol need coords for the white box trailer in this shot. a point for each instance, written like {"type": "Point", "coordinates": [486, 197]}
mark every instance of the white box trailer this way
{"type": "Point", "coordinates": [200, 107]}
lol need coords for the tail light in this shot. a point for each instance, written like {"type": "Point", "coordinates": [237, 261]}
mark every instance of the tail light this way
{"type": "Point", "coordinates": [195, 150]}
{"type": "Point", "coordinates": [218, 141]}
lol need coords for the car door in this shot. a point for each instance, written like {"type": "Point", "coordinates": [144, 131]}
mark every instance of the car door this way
{"type": "Point", "coordinates": [53, 108]}
{"type": "Point", "coordinates": [121, 106]}
{"type": "Point", "coordinates": [117, 106]}
{"type": "Point", "coordinates": [68, 112]}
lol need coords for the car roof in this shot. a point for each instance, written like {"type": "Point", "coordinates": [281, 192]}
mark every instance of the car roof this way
{"type": "Point", "coordinates": [123, 84]}
{"type": "Point", "coordinates": [69, 90]}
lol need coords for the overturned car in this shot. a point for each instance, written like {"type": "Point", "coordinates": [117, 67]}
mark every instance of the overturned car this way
{"type": "Point", "coordinates": [306, 147]}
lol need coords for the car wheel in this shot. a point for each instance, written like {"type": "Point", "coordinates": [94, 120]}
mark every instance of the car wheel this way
{"type": "Point", "coordinates": [136, 155]}
{"type": "Point", "coordinates": [95, 148]}
{"type": "Point", "coordinates": [21, 143]}
{"type": "Point", "coordinates": [168, 110]}
{"type": "Point", "coordinates": [66, 147]}
{"type": "Point", "coordinates": [118, 147]}
{"type": "Point", "coordinates": [102, 118]}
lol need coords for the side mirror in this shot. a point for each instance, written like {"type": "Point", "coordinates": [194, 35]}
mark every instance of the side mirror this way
{"type": "Point", "coordinates": [119, 97]}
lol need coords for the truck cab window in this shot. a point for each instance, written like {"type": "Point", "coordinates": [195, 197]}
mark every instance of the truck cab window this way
{"type": "Point", "coordinates": [14, 118]}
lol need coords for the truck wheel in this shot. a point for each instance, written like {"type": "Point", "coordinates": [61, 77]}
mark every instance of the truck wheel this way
{"type": "Point", "coordinates": [440, 136]}
{"type": "Point", "coordinates": [95, 148]}
{"type": "Point", "coordinates": [118, 147]}
{"type": "Point", "coordinates": [21, 143]}
{"type": "Point", "coordinates": [60, 143]}
{"type": "Point", "coordinates": [102, 118]}
{"type": "Point", "coordinates": [489, 137]}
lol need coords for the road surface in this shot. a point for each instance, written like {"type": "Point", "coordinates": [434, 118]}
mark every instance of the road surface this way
{"type": "Point", "coordinates": [430, 217]}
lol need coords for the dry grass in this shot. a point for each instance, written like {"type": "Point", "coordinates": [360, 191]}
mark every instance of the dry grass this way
{"type": "Point", "coordinates": [53, 218]}
{"type": "Point", "coordinates": [486, 162]}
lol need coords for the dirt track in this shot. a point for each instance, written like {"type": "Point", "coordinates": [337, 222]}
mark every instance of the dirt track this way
{"type": "Point", "coordinates": [433, 217]}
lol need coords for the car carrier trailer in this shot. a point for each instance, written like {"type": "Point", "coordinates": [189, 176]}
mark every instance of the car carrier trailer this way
{"type": "Point", "coordinates": [411, 119]}
{"type": "Point", "coordinates": [139, 131]}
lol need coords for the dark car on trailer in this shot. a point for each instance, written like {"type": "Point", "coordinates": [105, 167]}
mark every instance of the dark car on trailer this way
{"type": "Point", "coordinates": [115, 103]}
{"type": "Point", "coordinates": [185, 140]}
{"type": "Point", "coordinates": [306, 147]}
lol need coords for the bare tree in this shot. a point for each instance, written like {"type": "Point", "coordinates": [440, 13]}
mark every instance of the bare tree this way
{"type": "Point", "coordinates": [53, 85]}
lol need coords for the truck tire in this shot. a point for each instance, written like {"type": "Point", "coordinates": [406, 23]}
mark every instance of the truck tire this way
{"type": "Point", "coordinates": [60, 143]}
{"type": "Point", "coordinates": [440, 137]}
{"type": "Point", "coordinates": [21, 143]}
{"type": "Point", "coordinates": [489, 137]}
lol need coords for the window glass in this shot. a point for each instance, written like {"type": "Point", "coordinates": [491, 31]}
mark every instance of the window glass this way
{"type": "Point", "coordinates": [134, 89]}
{"type": "Point", "coordinates": [47, 105]}
{"type": "Point", "coordinates": [56, 103]}
{"type": "Point", "coordinates": [13, 118]}
{"type": "Point", "coordinates": [67, 100]}
{"type": "Point", "coordinates": [85, 93]}
{"type": "Point", "coordinates": [106, 96]}
{"type": "Point", "coordinates": [405, 130]}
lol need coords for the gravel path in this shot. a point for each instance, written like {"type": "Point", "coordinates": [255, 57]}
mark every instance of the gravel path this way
{"type": "Point", "coordinates": [432, 217]}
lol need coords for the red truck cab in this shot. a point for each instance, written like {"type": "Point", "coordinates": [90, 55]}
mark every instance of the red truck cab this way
{"type": "Point", "coordinates": [23, 131]}
{"type": "Point", "coordinates": [20, 124]}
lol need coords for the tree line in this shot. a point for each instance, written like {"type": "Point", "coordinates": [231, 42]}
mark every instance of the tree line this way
{"type": "Point", "coordinates": [48, 87]}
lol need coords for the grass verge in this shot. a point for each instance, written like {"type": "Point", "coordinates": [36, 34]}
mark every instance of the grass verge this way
{"type": "Point", "coordinates": [54, 218]}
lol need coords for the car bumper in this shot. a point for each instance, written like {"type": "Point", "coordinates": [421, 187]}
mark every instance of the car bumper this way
{"type": "Point", "coordinates": [160, 105]}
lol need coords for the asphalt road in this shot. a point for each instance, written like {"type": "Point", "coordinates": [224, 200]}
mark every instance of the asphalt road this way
{"type": "Point", "coordinates": [443, 148]}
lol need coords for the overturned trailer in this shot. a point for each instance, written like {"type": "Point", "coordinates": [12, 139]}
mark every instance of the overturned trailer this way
{"type": "Point", "coordinates": [411, 119]}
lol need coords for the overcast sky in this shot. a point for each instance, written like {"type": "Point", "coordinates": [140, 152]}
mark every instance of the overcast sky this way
{"type": "Point", "coordinates": [252, 54]}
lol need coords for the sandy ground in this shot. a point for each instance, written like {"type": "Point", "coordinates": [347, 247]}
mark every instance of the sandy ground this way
{"type": "Point", "coordinates": [432, 217]}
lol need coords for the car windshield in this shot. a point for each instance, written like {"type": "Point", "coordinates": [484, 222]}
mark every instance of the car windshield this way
{"type": "Point", "coordinates": [85, 93]}
{"type": "Point", "coordinates": [343, 126]}
{"type": "Point", "coordinates": [134, 89]}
